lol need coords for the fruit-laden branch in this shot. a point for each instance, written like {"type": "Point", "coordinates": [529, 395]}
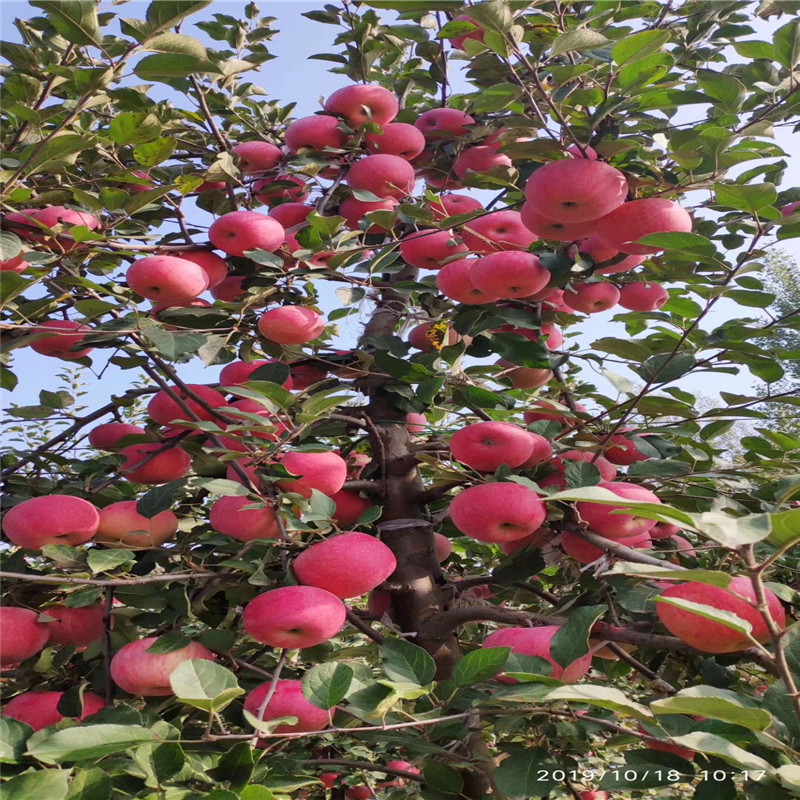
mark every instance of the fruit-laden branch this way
{"type": "Point", "coordinates": [32, 577]}
{"type": "Point", "coordinates": [365, 765]}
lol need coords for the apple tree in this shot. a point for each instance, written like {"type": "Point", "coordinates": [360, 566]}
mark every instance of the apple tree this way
{"type": "Point", "coordinates": [409, 492]}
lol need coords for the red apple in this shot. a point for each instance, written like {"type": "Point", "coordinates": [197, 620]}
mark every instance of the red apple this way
{"type": "Point", "coordinates": [51, 519]}
{"type": "Point", "coordinates": [291, 325]}
{"type": "Point", "coordinates": [509, 274]}
{"type": "Point", "coordinates": [497, 512]}
{"type": "Point", "coordinates": [442, 547]}
{"type": "Point", "coordinates": [238, 232]}
{"type": "Point", "coordinates": [216, 268]}
{"type": "Point", "coordinates": [294, 617]}
{"type": "Point", "coordinates": [288, 700]}
{"type": "Point", "coordinates": [485, 446]}
{"type": "Point", "coordinates": [359, 104]}
{"type": "Point", "coordinates": [347, 565]}
{"type": "Point", "coordinates": [585, 552]}
{"type": "Point", "coordinates": [305, 375]}
{"type": "Point", "coordinates": [591, 298]}
{"type": "Point", "coordinates": [542, 451]}
{"type": "Point", "coordinates": [455, 281]}
{"type": "Point", "coordinates": [791, 208]}
{"type": "Point", "coordinates": [383, 175]}
{"type": "Point", "coordinates": [145, 464]}
{"type": "Point", "coordinates": [248, 406]}
{"type": "Point", "coordinates": [605, 467]}
{"type": "Point", "coordinates": [427, 249]}
{"type": "Point", "coordinates": [639, 218]}
{"type": "Point", "coordinates": [525, 377]}
{"type": "Point", "coordinates": [593, 795]}
{"type": "Point", "coordinates": [229, 516]}
{"type": "Point", "coordinates": [167, 279]}
{"type": "Point", "coordinates": [500, 230]}
{"type": "Point", "coordinates": [354, 210]}
{"type": "Point", "coordinates": [291, 214]}
{"type": "Point", "coordinates": [239, 372]}
{"type": "Point", "coordinates": [444, 123]}
{"type": "Point", "coordinates": [269, 191]}
{"type": "Point", "coordinates": [121, 525]}
{"type": "Point", "coordinates": [477, 35]}
{"type": "Point", "coordinates": [663, 530]}
{"type": "Point", "coordinates": [23, 635]}
{"type": "Point", "coordinates": [599, 252]}
{"type": "Point", "coordinates": [449, 205]}
{"type": "Point", "coordinates": [16, 264]}
{"type": "Point", "coordinates": [623, 451]}
{"type": "Point", "coordinates": [317, 132]}
{"type": "Point", "coordinates": [537, 538]}
{"type": "Point", "coordinates": [478, 160]}
{"type": "Point", "coordinates": [107, 435]}
{"type": "Point", "coordinates": [65, 340]}
{"type": "Point", "coordinates": [416, 423]}
{"type": "Point", "coordinates": [397, 139]}
{"type": "Point", "coordinates": [419, 337]}
{"type": "Point", "coordinates": [230, 290]}
{"type": "Point", "coordinates": [604, 520]}
{"type": "Point", "coordinates": [551, 410]}
{"type": "Point", "coordinates": [257, 156]}
{"type": "Point", "coordinates": [145, 674]}
{"type": "Point", "coordinates": [557, 230]}
{"type": "Point", "coordinates": [326, 472]}
{"type": "Point", "coordinates": [75, 627]}
{"type": "Point", "coordinates": [350, 506]}
{"type": "Point", "coordinates": [643, 296]}
{"type": "Point", "coordinates": [40, 709]}
{"type": "Point", "coordinates": [165, 410]}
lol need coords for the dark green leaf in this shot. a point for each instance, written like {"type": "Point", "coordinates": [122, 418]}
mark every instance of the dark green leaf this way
{"type": "Point", "coordinates": [441, 778]}
{"type": "Point", "coordinates": [49, 783]}
{"type": "Point", "coordinates": [87, 742]}
{"type": "Point", "coordinates": [163, 14]}
{"type": "Point", "coordinates": [235, 766]}
{"type": "Point", "coordinates": [745, 197]}
{"type": "Point", "coordinates": [172, 65]}
{"type": "Point", "coordinates": [721, 86]}
{"type": "Point", "coordinates": [786, 41]}
{"type": "Point", "coordinates": [638, 46]}
{"type": "Point", "coordinates": [403, 661]}
{"type": "Point", "coordinates": [480, 665]}
{"type": "Point", "coordinates": [571, 641]}
{"type": "Point", "coordinates": [13, 735]}
{"type": "Point", "coordinates": [169, 643]}
{"type": "Point", "coordinates": [527, 774]}
{"type": "Point", "coordinates": [90, 784]}
{"type": "Point", "coordinates": [108, 560]}
{"type": "Point", "coordinates": [159, 498]}
{"type": "Point", "coordinates": [75, 20]}
{"type": "Point", "coordinates": [204, 684]}
{"type": "Point", "coordinates": [666, 367]}
{"type": "Point", "coordinates": [327, 684]}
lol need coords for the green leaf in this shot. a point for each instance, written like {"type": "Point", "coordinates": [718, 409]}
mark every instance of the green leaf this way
{"type": "Point", "coordinates": [13, 735]}
{"type": "Point", "coordinates": [173, 345]}
{"type": "Point", "coordinates": [721, 86]}
{"type": "Point", "coordinates": [746, 196]}
{"type": "Point", "coordinates": [204, 684]}
{"type": "Point", "coordinates": [161, 761]}
{"type": "Point", "coordinates": [659, 468]}
{"type": "Point", "coordinates": [160, 498]}
{"type": "Point", "coordinates": [162, 14]}
{"type": "Point", "coordinates": [726, 618]}
{"type": "Point", "coordinates": [108, 560]}
{"type": "Point", "coordinates": [638, 46]}
{"type": "Point", "coordinates": [571, 641]}
{"type": "Point", "coordinates": [169, 643]}
{"type": "Point", "coordinates": [75, 20]}
{"type": "Point", "coordinates": [480, 665]}
{"type": "Point", "coordinates": [86, 742]}
{"type": "Point", "coordinates": [714, 745]}
{"type": "Point", "coordinates": [60, 150]}
{"type": "Point", "coordinates": [134, 127]}
{"type": "Point", "coordinates": [10, 246]}
{"type": "Point", "coordinates": [578, 40]}
{"type": "Point", "coordinates": [327, 684]}
{"type": "Point", "coordinates": [580, 473]}
{"type": "Point", "coordinates": [785, 527]}
{"type": "Point", "coordinates": [90, 784]}
{"type": "Point", "coordinates": [151, 154]}
{"type": "Point", "coordinates": [172, 65]}
{"type": "Point", "coordinates": [690, 243]}
{"type": "Point", "coordinates": [754, 49]}
{"type": "Point", "coordinates": [624, 348]}
{"type": "Point", "coordinates": [403, 661]}
{"type": "Point", "coordinates": [176, 43]}
{"type": "Point", "coordinates": [47, 784]}
{"type": "Point", "coordinates": [731, 531]}
{"type": "Point", "coordinates": [235, 766]}
{"type": "Point", "coordinates": [256, 792]}
{"type": "Point", "coordinates": [714, 703]}
{"type": "Point", "coordinates": [786, 42]}
{"type": "Point", "coordinates": [527, 774]}
{"type": "Point", "coordinates": [666, 367]}
{"type": "Point", "coordinates": [441, 778]}
{"type": "Point", "coordinates": [602, 697]}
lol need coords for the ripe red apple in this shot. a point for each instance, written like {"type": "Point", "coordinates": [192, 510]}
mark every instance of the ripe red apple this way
{"type": "Point", "coordinates": [497, 512]}
{"type": "Point", "coordinates": [500, 230]}
{"type": "Point", "coordinates": [639, 218]}
{"type": "Point", "coordinates": [360, 792]}
{"type": "Point", "coordinates": [326, 472]}
{"type": "Point", "coordinates": [291, 325]}
{"type": "Point", "coordinates": [791, 208]}
{"type": "Point", "coordinates": [479, 159]}
{"type": "Point", "coordinates": [350, 506]}
{"type": "Point", "coordinates": [607, 470]}
{"type": "Point", "coordinates": [76, 627]}
{"type": "Point", "coordinates": [427, 249]}
{"type": "Point", "coordinates": [27, 224]}
{"type": "Point", "coordinates": [623, 451]}
{"type": "Point", "coordinates": [525, 377]}
{"type": "Point", "coordinates": [165, 410]}
{"type": "Point", "coordinates": [40, 709]}
{"type": "Point", "coordinates": [551, 410]}
{"type": "Point", "coordinates": [449, 205]}
{"type": "Point", "coordinates": [602, 519]}
{"type": "Point", "coordinates": [248, 406]}
{"type": "Point", "coordinates": [593, 795]}
{"type": "Point", "coordinates": [354, 210]}
{"type": "Point", "coordinates": [107, 435]}
{"type": "Point", "coordinates": [509, 274]}
{"type": "Point", "coordinates": [145, 464]}
{"type": "Point", "coordinates": [121, 525]}
{"type": "Point", "coordinates": [238, 232]}
{"type": "Point", "coordinates": [442, 547]}
{"type": "Point", "coordinates": [145, 674]}
{"type": "Point", "coordinates": [548, 334]}
{"type": "Point", "coordinates": [16, 264]}
{"type": "Point", "coordinates": [23, 635]}
{"type": "Point", "coordinates": [257, 156]}
{"type": "Point", "coordinates": [537, 642]}
{"type": "Point", "coordinates": [585, 552]}
{"type": "Point", "coordinates": [591, 298]}
{"type": "Point", "coordinates": [210, 186]}
{"type": "Point", "coordinates": [397, 139]}
{"type": "Point", "coordinates": [713, 637]}
{"type": "Point", "coordinates": [576, 190]}
{"type": "Point", "coordinates": [328, 779]}
{"type": "Point", "coordinates": [269, 191]}
{"type": "Point", "coordinates": [403, 766]}
{"type": "Point", "coordinates": [294, 617]}
{"type": "Point", "coordinates": [663, 530]}
{"type": "Point", "coordinates": [305, 375]}
{"type": "Point", "coordinates": [317, 132]}
{"type": "Point", "coordinates": [416, 423]}
{"type": "Point", "coordinates": [229, 516]}
{"type": "Point", "coordinates": [444, 123]}
{"type": "Point", "coordinates": [554, 229]}
{"type": "Point", "coordinates": [419, 337]}
{"type": "Point", "coordinates": [291, 214]}
{"type": "Point", "coordinates": [542, 451]}
{"type": "Point", "coordinates": [239, 372]}
{"type": "Point", "coordinates": [230, 290]}
{"type": "Point", "coordinates": [359, 104]}
{"type": "Point", "coordinates": [537, 538]}
{"type": "Point", "coordinates": [485, 446]}
{"type": "Point", "coordinates": [167, 279]}
{"type": "Point", "coordinates": [347, 565]}
{"type": "Point", "coordinates": [478, 34]}
{"type": "Point", "coordinates": [455, 281]}
{"type": "Point", "coordinates": [287, 701]}
{"type": "Point", "coordinates": [51, 519]}
{"type": "Point", "coordinates": [65, 340]}
{"type": "Point", "coordinates": [216, 268]}
{"type": "Point", "coordinates": [383, 175]}
{"type": "Point", "coordinates": [599, 252]}
{"type": "Point", "coordinates": [643, 296]}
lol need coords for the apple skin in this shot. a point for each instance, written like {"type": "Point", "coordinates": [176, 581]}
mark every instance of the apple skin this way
{"type": "Point", "coordinates": [485, 446]}
{"type": "Point", "coordinates": [164, 467]}
{"type": "Point", "coordinates": [227, 517]}
{"type": "Point", "coordinates": [599, 252]}
{"type": "Point", "coordinates": [525, 377]}
{"type": "Point", "coordinates": [354, 210]}
{"type": "Point", "coordinates": [418, 337]}
{"type": "Point", "coordinates": [708, 636]}
{"type": "Point", "coordinates": [403, 766]}
{"type": "Point", "coordinates": [40, 709]}
{"type": "Point", "coordinates": [552, 229]}
{"type": "Point", "coordinates": [294, 617]}
{"type": "Point", "coordinates": [551, 410]}
{"type": "Point", "coordinates": [291, 214]}
{"type": "Point", "coordinates": [643, 296]}
{"type": "Point", "coordinates": [328, 779]}
{"type": "Point", "coordinates": [383, 175]}
{"type": "Point", "coordinates": [398, 139]}
{"type": "Point", "coordinates": [239, 372]}
{"type": "Point", "coordinates": [542, 451]}
{"type": "Point", "coordinates": [576, 190]}
{"type": "Point", "coordinates": [165, 410]}
{"type": "Point", "coordinates": [216, 268]}
{"type": "Point", "coordinates": [500, 230]}
{"type": "Point", "coordinates": [791, 208]}
{"type": "Point", "coordinates": [230, 290]}
{"type": "Point", "coordinates": [602, 519]}
{"type": "Point", "coordinates": [16, 264]}
{"type": "Point", "coordinates": [291, 325]}
{"type": "Point", "coordinates": [167, 279]}
{"type": "Point", "coordinates": [416, 423]}
{"type": "Point", "coordinates": [454, 280]}
{"type": "Point", "coordinates": [593, 795]}
{"type": "Point", "coordinates": [76, 627]}
{"type": "Point", "coordinates": [349, 101]}
{"type": "Point", "coordinates": [347, 565]}
{"type": "Point", "coordinates": [639, 218]}
{"type": "Point", "coordinates": [427, 249]}
{"type": "Point", "coordinates": [478, 160]}
{"type": "Point", "coordinates": [537, 538]}
{"type": "Point", "coordinates": [350, 506]}
{"type": "Point", "coordinates": [587, 553]}
{"type": "Point", "coordinates": [51, 519]}
{"type": "Point", "coordinates": [497, 512]}
{"type": "Point", "coordinates": [65, 343]}
{"type": "Point", "coordinates": [438, 124]}
{"type": "Point", "coordinates": [623, 451]}
{"type": "Point", "coordinates": [287, 701]}
{"type": "Point", "coordinates": [663, 530]}
{"type": "Point", "coordinates": [121, 525]}
{"type": "Point", "coordinates": [257, 156]}
{"type": "Point", "coordinates": [509, 275]}
{"type": "Point", "coordinates": [449, 205]}
{"type": "Point", "coordinates": [458, 41]}
{"type": "Point", "coordinates": [24, 224]}
{"type": "Point", "coordinates": [607, 470]}
{"type": "Point", "coordinates": [442, 547]}
{"type": "Point", "coordinates": [23, 635]}
{"type": "Point", "coordinates": [145, 674]}
{"type": "Point", "coordinates": [238, 232]}
{"type": "Point", "coordinates": [591, 298]}
{"type": "Point", "coordinates": [360, 792]}
{"type": "Point", "coordinates": [305, 375]}
{"type": "Point", "coordinates": [537, 642]}
{"type": "Point", "coordinates": [280, 194]}
{"type": "Point", "coordinates": [326, 472]}
{"type": "Point", "coordinates": [107, 435]}
{"type": "Point", "coordinates": [317, 132]}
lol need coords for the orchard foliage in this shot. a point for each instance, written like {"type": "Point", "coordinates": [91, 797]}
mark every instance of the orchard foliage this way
{"type": "Point", "coordinates": [573, 585]}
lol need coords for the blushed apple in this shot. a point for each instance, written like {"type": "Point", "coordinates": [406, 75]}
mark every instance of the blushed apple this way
{"type": "Point", "coordinates": [559, 231]}
{"type": "Point", "coordinates": [497, 512]}
{"type": "Point", "coordinates": [257, 156]}
{"type": "Point", "coordinates": [23, 635]}
{"type": "Point", "coordinates": [15, 264]}
{"type": "Point", "coordinates": [359, 104]}
{"type": "Point", "coordinates": [121, 525]}
{"type": "Point", "coordinates": [397, 139]}
{"type": "Point", "coordinates": [607, 470]}
{"type": "Point", "coordinates": [643, 296]}
{"type": "Point", "coordinates": [239, 372]}
{"type": "Point", "coordinates": [167, 279]}
{"type": "Point", "coordinates": [604, 520]}
{"type": "Point", "coordinates": [454, 280]}
{"type": "Point", "coordinates": [542, 451]}
{"type": "Point", "coordinates": [238, 232]}
{"type": "Point", "coordinates": [287, 700]}
{"type": "Point", "coordinates": [585, 552]}
{"type": "Point", "coordinates": [51, 519]}
{"type": "Point", "coordinates": [639, 218]}
{"type": "Point", "coordinates": [165, 410]}
{"type": "Point", "coordinates": [75, 627]}
{"type": "Point", "coordinates": [40, 709]}
{"type": "Point", "coordinates": [229, 516]}
{"type": "Point", "coordinates": [591, 298]}
{"type": "Point", "coordinates": [444, 123]}
{"type": "Point", "coordinates": [291, 214]}
{"type": "Point", "coordinates": [478, 160]}
{"type": "Point", "coordinates": [317, 132]}
{"type": "Point", "coordinates": [107, 435]}
{"type": "Point", "coordinates": [324, 471]}
{"type": "Point", "coordinates": [383, 175]}
{"type": "Point", "coordinates": [350, 506]}
{"type": "Point", "coordinates": [500, 230]}
{"type": "Point", "coordinates": [354, 212]}
{"type": "Point", "coordinates": [272, 191]}
{"type": "Point", "coordinates": [485, 446]}
{"type": "Point", "coordinates": [450, 205]}
{"type": "Point", "coordinates": [64, 341]}
{"type": "Point", "coordinates": [525, 377]}
{"type": "Point", "coordinates": [230, 290]}
{"type": "Point", "coordinates": [509, 275]}
{"type": "Point", "coordinates": [419, 337]}
{"type": "Point", "coordinates": [291, 325]}
{"type": "Point", "coordinates": [428, 249]}
{"type": "Point", "coordinates": [145, 464]}
{"type": "Point", "coordinates": [216, 268]}
{"type": "Point", "coordinates": [600, 252]}
{"type": "Point", "coordinates": [623, 451]}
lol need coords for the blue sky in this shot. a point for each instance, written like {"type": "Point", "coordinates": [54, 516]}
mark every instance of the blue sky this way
{"type": "Point", "coordinates": [291, 76]}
